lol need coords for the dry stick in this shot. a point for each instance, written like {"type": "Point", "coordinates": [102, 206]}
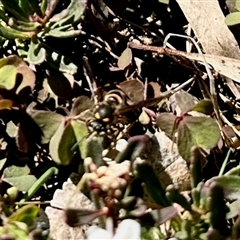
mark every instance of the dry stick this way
{"type": "Point", "coordinates": [153, 101]}
{"type": "Point", "coordinates": [191, 56]}
{"type": "Point", "coordinates": [90, 78]}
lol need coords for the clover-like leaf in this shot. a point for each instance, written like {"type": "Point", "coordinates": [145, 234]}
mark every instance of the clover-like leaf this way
{"type": "Point", "coordinates": [200, 131]}
{"type": "Point", "coordinates": [19, 177]}
{"type": "Point", "coordinates": [184, 100]}
{"type": "Point", "coordinates": [204, 106]}
{"type": "Point", "coordinates": [230, 185]}
{"type": "Point", "coordinates": [26, 214]}
{"type": "Point", "coordinates": [80, 131]}
{"type": "Point", "coordinates": [28, 80]}
{"type": "Point", "coordinates": [232, 19]}
{"type": "Point", "coordinates": [166, 122]}
{"type": "Point", "coordinates": [204, 130]}
{"type": "Point", "coordinates": [48, 122]}
{"type": "Point", "coordinates": [8, 77]}
{"type": "Point", "coordinates": [62, 142]}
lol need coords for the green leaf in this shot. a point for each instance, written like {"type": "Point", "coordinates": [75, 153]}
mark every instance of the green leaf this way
{"type": "Point", "coordinates": [166, 122]}
{"type": "Point", "coordinates": [185, 101]}
{"type": "Point", "coordinates": [18, 177]}
{"type": "Point", "coordinates": [36, 52]}
{"type": "Point", "coordinates": [233, 209]}
{"type": "Point", "coordinates": [8, 77]}
{"type": "Point", "coordinates": [232, 19]}
{"type": "Point", "coordinates": [75, 11]}
{"type": "Point", "coordinates": [204, 106]}
{"type": "Point", "coordinates": [61, 143]}
{"type": "Point", "coordinates": [200, 131]}
{"type": "Point", "coordinates": [23, 26]}
{"type": "Point", "coordinates": [10, 33]}
{"type": "Point", "coordinates": [48, 122]}
{"type": "Point", "coordinates": [80, 131]}
{"type": "Point", "coordinates": [28, 80]}
{"type": "Point", "coordinates": [237, 4]}
{"type": "Point", "coordinates": [164, 1]}
{"type": "Point", "coordinates": [230, 185]}
{"type": "Point", "coordinates": [63, 34]}
{"type": "Point", "coordinates": [234, 171]}
{"type": "Point", "coordinates": [26, 214]}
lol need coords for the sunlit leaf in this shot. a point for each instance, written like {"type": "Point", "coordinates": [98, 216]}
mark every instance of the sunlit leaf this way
{"type": "Point", "coordinates": [36, 52]}
{"type": "Point", "coordinates": [18, 177]}
{"type": "Point", "coordinates": [28, 79]}
{"type": "Point", "coordinates": [164, 1]}
{"type": "Point", "coordinates": [62, 142]}
{"type": "Point", "coordinates": [26, 214]}
{"type": "Point", "coordinates": [233, 19]}
{"type": "Point", "coordinates": [204, 106]}
{"type": "Point", "coordinates": [63, 34]}
{"type": "Point", "coordinates": [8, 77]}
{"type": "Point", "coordinates": [230, 185]}
{"type": "Point", "coordinates": [125, 59]}
{"type": "Point", "coordinates": [80, 131]}
{"type": "Point", "coordinates": [75, 11]}
{"type": "Point", "coordinates": [233, 209]}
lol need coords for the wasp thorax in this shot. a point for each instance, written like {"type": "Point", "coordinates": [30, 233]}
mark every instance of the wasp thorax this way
{"type": "Point", "coordinates": [104, 112]}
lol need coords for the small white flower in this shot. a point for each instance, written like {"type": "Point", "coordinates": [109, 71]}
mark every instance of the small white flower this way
{"type": "Point", "coordinates": [126, 230]}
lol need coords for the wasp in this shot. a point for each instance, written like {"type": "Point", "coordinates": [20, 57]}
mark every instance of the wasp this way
{"type": "Point", "coordinates": [109, 115]}
{"type": "Point", "coordinates": [106, 114]}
